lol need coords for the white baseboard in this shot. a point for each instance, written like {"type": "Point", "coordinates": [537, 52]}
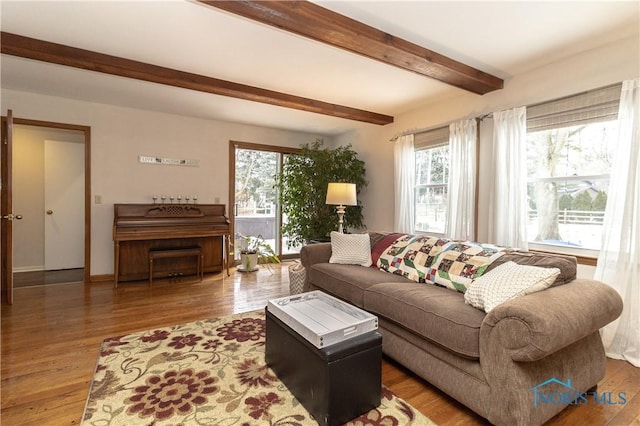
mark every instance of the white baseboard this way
{"type": "Point", "coordinates": [28, 268]}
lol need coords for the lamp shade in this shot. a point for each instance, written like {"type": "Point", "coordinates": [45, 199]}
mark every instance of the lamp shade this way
{"type": "Point", "coordinates": [341, 194]}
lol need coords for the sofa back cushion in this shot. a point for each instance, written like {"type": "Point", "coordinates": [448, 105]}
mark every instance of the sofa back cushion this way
{"type": "Point", "coordinates": [566, 264]}
{"type": "Point", "coordinates": [440, 261]}
{"type": "Point", "coordinates": [412, 256]}
{"type": "Point", "coordinates": [347, 282]}
{"type": "Point", "coordinates": [379, 243]}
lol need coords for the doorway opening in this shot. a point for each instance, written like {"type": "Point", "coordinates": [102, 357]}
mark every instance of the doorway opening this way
{"type": "Point", "coordinates": [68, 174]}
{"type": "Point", "coordinates": [48, 192]}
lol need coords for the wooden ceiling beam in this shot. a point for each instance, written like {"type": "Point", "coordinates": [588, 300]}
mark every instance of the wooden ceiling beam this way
{"type": "Point", "coordinates": [30, 48]}
{"type": "Point", "coordinates": [312, 21]}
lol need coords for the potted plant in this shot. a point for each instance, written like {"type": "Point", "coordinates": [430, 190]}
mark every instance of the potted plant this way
{"type": "Point", "coordinates": [253, 251]}
{"type": "Point", "coordinates": [302, 187]}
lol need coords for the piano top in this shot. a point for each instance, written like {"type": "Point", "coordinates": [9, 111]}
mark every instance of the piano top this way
{"type": "Point", "coordinates": [156, 221]}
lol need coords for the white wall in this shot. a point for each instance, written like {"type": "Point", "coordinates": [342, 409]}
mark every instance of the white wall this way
{"type": "Point", "coordinates": [596, 68]}
{"type": "Point", "coordinates": [119, 135]}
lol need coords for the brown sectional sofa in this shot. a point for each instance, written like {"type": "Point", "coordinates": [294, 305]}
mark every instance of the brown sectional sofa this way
{"type": "Point", "coordinates": [492, 363]}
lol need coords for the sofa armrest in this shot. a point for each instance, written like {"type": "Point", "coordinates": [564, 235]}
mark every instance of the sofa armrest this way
{"type": "Point", "coordinates": [315, 253]}
{"type": "Point", "coordinates": [532, 327]}
{"type": "Point", "coordinates": [311, 254]}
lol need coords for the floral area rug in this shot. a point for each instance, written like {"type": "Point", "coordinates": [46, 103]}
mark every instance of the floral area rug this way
{"type": "Point", "coordinates": [209, 372]}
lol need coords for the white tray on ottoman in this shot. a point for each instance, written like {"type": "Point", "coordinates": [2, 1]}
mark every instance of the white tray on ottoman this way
{"type": "Point", "coordinates": [321, 319]}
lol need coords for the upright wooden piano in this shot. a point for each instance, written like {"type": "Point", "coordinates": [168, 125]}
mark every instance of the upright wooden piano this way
{"type": "Point", "coordinates": [139, 229]}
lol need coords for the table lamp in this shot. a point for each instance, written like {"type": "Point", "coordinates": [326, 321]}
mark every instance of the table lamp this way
{"type": "Point", "coordinates": [341, 195]}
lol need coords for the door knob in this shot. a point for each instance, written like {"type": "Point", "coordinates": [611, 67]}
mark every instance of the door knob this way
{"type": "Point", "coordinates": [49, 211]}
{"type": "Point", "coordinates": [11, 216]}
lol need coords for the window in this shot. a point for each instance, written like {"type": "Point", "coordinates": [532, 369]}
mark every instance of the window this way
{"type": "Point", "coordinates": [432, 176]}
{"type": "Point", "coordinates": [569, 150]}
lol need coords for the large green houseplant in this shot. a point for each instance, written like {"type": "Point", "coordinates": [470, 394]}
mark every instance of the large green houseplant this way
{"type": "Point", "coordinates": [302, 187]}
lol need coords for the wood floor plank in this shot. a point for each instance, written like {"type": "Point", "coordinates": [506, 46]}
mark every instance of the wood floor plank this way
{"type": "Point", "coordinates": [629, 415]}
{"type": "Point", "coordinates": [52, 334]}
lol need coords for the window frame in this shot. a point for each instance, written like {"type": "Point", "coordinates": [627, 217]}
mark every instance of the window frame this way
{"type": "Point", "coordinates": [281, 151]}
{"type": "Point", "coordinates": [597, 105]}
{"type": "Point", "coordinates": [437, 137]}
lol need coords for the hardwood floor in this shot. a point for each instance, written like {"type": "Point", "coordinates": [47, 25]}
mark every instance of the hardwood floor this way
{"type": "Point", "coordinates": [51, 336]}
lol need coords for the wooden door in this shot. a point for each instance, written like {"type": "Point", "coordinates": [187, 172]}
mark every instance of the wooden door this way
{"type": "Point", "coordinates": [6, 208]}
{"type": "Point", "coordinates": [64, 194]}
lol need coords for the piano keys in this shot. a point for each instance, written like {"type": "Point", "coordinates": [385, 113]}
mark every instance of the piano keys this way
{"type": "Point", "coordinates": [140, 228]}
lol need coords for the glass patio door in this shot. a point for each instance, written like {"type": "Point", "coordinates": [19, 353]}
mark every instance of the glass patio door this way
{"type": "Point", "coordinates": [255, 208]}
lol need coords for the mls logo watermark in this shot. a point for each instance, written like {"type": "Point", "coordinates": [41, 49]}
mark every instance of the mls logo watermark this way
{"type": "Point", "coordinates": [568, 395]}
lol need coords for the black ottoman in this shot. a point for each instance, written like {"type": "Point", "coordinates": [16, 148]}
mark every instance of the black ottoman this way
{"type": "Point", "coordinates": [336, 383]}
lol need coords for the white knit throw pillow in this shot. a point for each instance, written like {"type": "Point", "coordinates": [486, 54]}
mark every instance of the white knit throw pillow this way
{"type": "Point", "coordinates": [507, 282]}
{"type": "Point", "coordinates": [350, 249]}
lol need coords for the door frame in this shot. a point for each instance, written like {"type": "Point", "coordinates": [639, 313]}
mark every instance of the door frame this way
{"type": "Point", "coordinates": [6, 208]}
{"type": "Point", "coordinates": [6, 189]}
{"type": "Point", "coordinates": [282, 151]}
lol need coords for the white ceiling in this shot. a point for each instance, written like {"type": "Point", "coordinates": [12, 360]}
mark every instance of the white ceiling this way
{"type": "Point", "coordinates": [504, 38]}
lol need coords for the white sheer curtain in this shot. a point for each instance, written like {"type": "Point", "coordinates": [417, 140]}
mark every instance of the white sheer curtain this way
{"type": "Point", "coordinates": [404, 178]}
{"type": "Point", "coordinates": [619, 259]}
{"type": "Point", "coordinates": [462, 180]}
{"type": "Point", "coordinates": [509, 197]}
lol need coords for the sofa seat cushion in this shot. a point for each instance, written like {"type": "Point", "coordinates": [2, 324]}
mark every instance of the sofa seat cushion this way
{"type": "Point", "coordinates": [348, 282]}
{"type": "Point", "coordinates": [434, 313]}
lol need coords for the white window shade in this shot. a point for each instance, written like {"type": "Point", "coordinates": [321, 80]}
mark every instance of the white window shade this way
{"type": "Point", "coordinates": [431, 138]}
{"type": "Point", "coordinates": [589, 107]}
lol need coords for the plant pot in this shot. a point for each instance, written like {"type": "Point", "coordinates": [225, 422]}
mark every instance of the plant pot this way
{"type": "Point", "coordinates": [248, 262]}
